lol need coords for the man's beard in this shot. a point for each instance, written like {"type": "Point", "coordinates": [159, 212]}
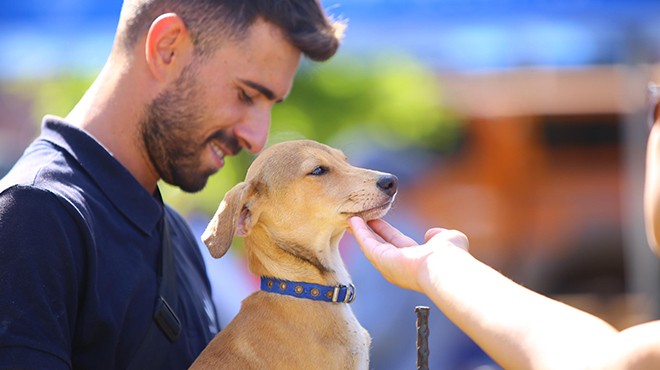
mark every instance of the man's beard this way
{"type": "Point", "coordinates": [171, 134]}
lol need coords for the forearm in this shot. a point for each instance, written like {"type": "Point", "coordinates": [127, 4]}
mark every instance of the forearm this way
{"type": "Point", "coordinates": [517, 327]}
{"type": "Point", "coordinates": [652, 187]}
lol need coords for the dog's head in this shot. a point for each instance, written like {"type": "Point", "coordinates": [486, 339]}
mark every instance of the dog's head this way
{"type": "Point", "coordinates": [298, 191]}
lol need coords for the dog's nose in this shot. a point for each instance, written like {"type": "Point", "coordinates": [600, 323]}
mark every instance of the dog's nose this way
{"type": "Point", "coordinates": [388, 184]}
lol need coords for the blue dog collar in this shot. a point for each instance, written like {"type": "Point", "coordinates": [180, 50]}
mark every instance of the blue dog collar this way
{"type": "Point", "coordinates": [338, 293]}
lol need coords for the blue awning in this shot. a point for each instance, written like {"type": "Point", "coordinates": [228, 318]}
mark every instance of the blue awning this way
{"type": "Point", "coordinates": [45, 37]}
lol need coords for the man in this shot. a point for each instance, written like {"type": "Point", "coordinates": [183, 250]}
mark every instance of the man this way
{"type": "Point", "coordinates": [85, 277]}
{"type": "Point", "coordinates": [518, 328]}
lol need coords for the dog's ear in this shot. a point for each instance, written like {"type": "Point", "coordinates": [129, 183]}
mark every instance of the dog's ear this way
{"type": "Point", "coordinates": [231, 218]}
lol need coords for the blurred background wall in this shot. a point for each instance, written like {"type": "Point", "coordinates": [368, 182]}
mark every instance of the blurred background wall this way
{"type": "Point", "coordinates": [520, 122]}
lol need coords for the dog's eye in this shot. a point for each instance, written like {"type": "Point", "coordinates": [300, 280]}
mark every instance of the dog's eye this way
{"type": "Point", "coordinates": [318, 171]}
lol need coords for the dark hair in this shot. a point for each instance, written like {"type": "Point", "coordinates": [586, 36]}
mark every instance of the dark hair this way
{"type": "Point", "coordinates": [303, 22]}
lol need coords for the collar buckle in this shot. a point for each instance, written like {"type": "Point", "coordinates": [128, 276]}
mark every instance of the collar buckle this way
{"type": "Point", "coordinates": [350, 293]}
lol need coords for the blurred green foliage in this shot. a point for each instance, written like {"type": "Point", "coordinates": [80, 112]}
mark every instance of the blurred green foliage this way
{"type": "Point", "coordinates": [396, 99]}
{"type": "Point", "coordinates": [56, 96]}
{"type": "Point", "coordinates": [393, 99]}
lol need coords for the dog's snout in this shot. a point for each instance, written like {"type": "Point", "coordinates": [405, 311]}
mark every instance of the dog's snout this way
{"type": "Point", "coordinates": [388, 184]}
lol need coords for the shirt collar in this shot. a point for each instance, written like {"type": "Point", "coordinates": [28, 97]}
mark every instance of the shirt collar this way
{"type": "Point", "coordinates": [122, 189]}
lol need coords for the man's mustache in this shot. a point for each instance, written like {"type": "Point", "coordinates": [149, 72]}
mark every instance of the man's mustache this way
{"type": "Point", "coordinates": [229, 141]}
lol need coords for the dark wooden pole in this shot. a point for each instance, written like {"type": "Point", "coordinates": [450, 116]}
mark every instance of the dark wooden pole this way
{"type": "Point", "coordinates": [422, 337]}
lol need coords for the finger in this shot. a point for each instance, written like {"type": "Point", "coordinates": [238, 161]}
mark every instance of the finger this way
{"type": "Point", "coordinates": [372, 245]}
{"type": "Point", "coordinates": [356, 224]}
{"type": "Point", "coordinates": [362, 233]}
{"type": "Point", "coordinates": [391, 235]}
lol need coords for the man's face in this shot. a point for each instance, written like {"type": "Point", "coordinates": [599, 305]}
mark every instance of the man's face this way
{"type": "Point", "coordinates": [218, 106]}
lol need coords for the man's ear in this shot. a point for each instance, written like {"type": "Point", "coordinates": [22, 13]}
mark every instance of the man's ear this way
{"type": "Point", "coordinates": [233, 217]}
{"type": "Point", "coordinates": [168, 47]}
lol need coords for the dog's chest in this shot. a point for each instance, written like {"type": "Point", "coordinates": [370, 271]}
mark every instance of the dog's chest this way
{"type": "Point", "coordinates": [333, 337]}
{"type": "Point", "coordinates": [358, 339]}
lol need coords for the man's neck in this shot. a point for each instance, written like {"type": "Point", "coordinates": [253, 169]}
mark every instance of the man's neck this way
{"type": "Point", "coordinates": [110, 111]}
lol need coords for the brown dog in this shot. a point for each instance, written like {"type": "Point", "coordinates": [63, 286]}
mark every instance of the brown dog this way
{"type": "Point", "coordinates": [292, 210]}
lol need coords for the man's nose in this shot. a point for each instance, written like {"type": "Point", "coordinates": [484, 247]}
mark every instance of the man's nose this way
{"type": "Point", "coordinates": [252, 133]}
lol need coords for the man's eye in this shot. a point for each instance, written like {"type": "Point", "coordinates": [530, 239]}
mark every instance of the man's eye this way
{"type": "Point", "coordinates": [244, 97]}
{"type": "Point", "coordinates": [319, 171]}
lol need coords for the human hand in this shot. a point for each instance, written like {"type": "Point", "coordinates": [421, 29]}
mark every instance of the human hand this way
{"type": "Point", "coordinates": [400, 259]}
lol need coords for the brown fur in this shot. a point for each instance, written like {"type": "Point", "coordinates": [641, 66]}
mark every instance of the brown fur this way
{"type": "Point", "coordinates": [292, 222]}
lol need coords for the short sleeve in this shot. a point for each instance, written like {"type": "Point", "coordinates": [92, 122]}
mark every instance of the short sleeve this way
{"type": "Point", "coordinates": [40, 259]}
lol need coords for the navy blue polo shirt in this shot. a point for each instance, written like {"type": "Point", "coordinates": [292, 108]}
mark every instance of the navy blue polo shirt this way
{"type": "Point", "coordinates": [79, 246]}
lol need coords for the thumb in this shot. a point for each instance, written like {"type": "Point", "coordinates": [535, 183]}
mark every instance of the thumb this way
{"type": "Point", "coordinates": [451, 237]}
{"type": "Point", "coordinates": [431, 233]}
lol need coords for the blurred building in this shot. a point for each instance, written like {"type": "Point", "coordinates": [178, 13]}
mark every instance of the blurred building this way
{"type": "Point", "coordinates": [547, 182]}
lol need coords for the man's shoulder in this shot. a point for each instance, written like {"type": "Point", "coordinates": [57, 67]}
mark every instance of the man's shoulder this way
{"type": "Point", "coordinates": [33, 216]}
{"type": "Point", "coordinates": [27, 198]}
{"type": "Point", "coordinates": [45, 187]}
{"type": "Point", "coordinates": [46, 170]}
{"type": "Point", "coordinates": [42, 166]}
{"type": "Point", "coordinates": [34, 200]}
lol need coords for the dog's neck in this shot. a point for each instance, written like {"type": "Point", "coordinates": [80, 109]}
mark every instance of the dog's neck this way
{"type": "Point", "coordinates": [317, 261]}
